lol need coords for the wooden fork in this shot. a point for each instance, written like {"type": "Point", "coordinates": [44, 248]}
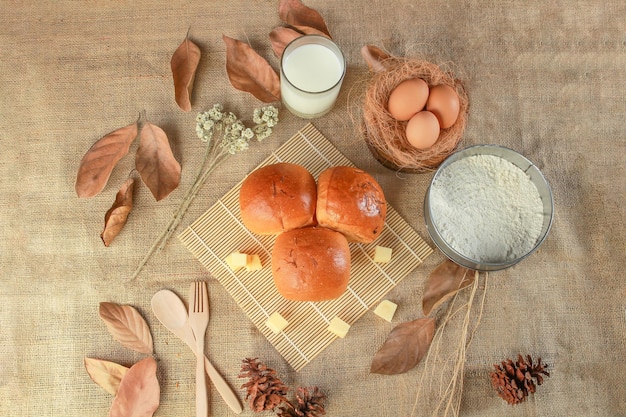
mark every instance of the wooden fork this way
{"type": "Point", "coordinates": [199, 320]}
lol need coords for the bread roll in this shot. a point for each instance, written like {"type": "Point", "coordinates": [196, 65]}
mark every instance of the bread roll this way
{"type": "Point", "coordinates": [311, 264]}
{"type": "Point", "coordinates": [276, 198]}
{"type": "Point", "coordinates": [350, 201]}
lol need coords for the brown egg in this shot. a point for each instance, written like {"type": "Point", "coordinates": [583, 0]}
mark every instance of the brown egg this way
{"type": "Point", "coordinates": [443, 101]}
{"type": "Point", "coordinates": [408, 98]}
{"type": "Point", "coordinates": [422, 130]}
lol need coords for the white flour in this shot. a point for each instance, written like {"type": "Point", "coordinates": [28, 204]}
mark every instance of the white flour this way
{"type": "Point", "coordinates": [486, 208]}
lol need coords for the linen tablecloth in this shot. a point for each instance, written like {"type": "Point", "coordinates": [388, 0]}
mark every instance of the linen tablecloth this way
{"type": "Point", "coordinates": [547, 79]}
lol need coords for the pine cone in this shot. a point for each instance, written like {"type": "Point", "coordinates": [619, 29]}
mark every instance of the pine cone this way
{"type": "Point", "coordinates": [310, 403]}
{"type": "Point", "coordinates": [265, 391]}
{"type": "Point", "coordinates": [514, 380]}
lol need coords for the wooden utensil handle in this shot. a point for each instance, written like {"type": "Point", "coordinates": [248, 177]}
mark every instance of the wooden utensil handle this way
{"type": "Point", "coordinates": [223, 388]}
{"type": "Point", "coordinates": [202, 402]}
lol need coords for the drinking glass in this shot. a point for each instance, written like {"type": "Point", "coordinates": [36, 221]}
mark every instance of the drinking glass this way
{"type": "Point", "coordinates": [312, 69]}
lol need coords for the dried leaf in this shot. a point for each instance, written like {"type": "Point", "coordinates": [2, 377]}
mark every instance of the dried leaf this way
{"type": "Point", "coordinates": [115, 217]}
{"type": "Point", "coordinates": [296, 14]}
{"type": "Point", "coordinates": [156, 164]}
{"type": "Point", "coordinates": [248, 71]}
{"type": "Point", "coordinates": [139, 392]}
{"type": "Point", "coordinates": [127, 326]}
{"type": "Point", "coordinates": [280, 37]}
{"type": "Point", "coordinates": [375, 57]}
{"type": "Point", "coordinates": [445, 281]}
{"type": "Point", "coordinates": [98, 163]}
{"type": "Point", "coordinates": [404, 348]}
{"type": "Point", "coordinates": [106, 374]}
{"type": "Point", "coordinates": [184, 63]}
{"type": "Point", "coordinates": [307, 30]}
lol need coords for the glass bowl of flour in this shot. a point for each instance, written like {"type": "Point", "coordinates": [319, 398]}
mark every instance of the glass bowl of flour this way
{"type": "Point", "coordinates": [488, 207]}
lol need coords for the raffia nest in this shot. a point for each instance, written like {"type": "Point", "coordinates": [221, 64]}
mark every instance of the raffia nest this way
{"type": "Point", "coordinates": [386, 136]}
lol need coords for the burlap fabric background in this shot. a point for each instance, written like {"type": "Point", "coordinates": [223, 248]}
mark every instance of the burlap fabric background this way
{"type": "Point", "coordinates": [545, 78]}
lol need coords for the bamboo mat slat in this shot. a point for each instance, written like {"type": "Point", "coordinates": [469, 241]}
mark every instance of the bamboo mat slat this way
{"type": "Point", "coordinates": [219, 232]}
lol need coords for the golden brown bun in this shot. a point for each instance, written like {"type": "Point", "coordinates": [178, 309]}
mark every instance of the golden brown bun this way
{"type": "Point", "coordinates": [350, 201]}
{"type": "Point", "coordinates": [311, 264]}
{"type": "Point", "coordinates": [276, 198]}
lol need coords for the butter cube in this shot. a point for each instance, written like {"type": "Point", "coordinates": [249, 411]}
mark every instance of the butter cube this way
{"type": "Point", "coordinates": [236, 260]}
{"type": "Point", "coordinates": [338, 327]}
{"type": "Point", "coordinates": [253, 263]}
{"type": "Point", "coordinates": [276, 322]}
{"type": "Point", "coordinates": [386, 309]}
{"type": "Point", "coordinates": [382, 254]}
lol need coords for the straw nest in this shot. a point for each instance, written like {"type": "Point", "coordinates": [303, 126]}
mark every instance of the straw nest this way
{"type": "Point", "coordinates": [386, 137]}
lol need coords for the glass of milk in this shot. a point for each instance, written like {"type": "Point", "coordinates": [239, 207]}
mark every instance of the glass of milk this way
{"type": "Point", "coordinates": [312, 68]}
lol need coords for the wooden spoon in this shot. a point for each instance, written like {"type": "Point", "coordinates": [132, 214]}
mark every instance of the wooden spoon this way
{"type": "Point", "coordinates": [171, 311]}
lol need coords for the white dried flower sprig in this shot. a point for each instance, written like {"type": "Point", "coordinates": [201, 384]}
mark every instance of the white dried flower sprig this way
{"type": "Point", "coordinates": [236, 137]}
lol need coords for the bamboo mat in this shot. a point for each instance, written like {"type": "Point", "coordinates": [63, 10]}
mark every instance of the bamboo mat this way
{"type": "Point", "coordinates": [219, 232]}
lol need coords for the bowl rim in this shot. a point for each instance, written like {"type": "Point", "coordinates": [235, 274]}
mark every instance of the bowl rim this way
{"type": "Point", "coordinates": [502, 152]}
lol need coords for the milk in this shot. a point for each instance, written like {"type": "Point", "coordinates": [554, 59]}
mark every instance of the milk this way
{"type": "Point", "coordinates": [312, 69]}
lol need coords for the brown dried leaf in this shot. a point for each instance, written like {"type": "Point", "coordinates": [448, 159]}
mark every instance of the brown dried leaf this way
{"type": "Point", "coordinates": [294, 13]}
{"type": "Point", "coordinates": [115, 217]}
{"type": "Point", "coordinates": [404, 348]}
{"type": "Point", "coordinates": [139, 392]}
{"type": "Point", "coordinates": [445, 281]}
{"type": "Point", "coordinates": [127, 326]}
{"type": "Point", "coordinates": [184, 63]}
{"type": "Point", "coordinates": [98, 163]}
{"type": "Point", "coordinates": [375, 57]}
{"type": "Point", "coordinates": [156, 164]}
{"type": "Point", "coordinates": [106, 374]}
{"type": "Point", "coordinates": [307, 30]}
{"type": "Point", "coordinates": [280, 37]}
{"type": "Point", "coordinates": [248, 71]}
